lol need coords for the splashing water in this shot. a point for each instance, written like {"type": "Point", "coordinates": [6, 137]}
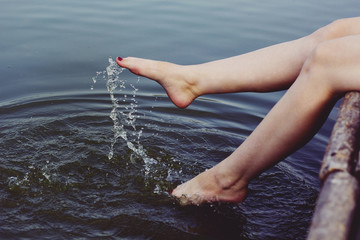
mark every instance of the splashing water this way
{"type": "Point", "coordinates": [123, 113]}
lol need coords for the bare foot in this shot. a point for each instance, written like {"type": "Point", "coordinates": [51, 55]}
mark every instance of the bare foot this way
{"type": "Point", "coordinates": [209, 187]}
{"type": "Point", "coordinates": [179, 83]}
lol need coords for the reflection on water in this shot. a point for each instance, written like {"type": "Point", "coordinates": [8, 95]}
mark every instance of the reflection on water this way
{"type": "Point", "coordinates": [76, 163]}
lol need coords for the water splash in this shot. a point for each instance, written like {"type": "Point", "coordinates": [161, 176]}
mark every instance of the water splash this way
{"type": "Point", "coordinates": [123, 113]}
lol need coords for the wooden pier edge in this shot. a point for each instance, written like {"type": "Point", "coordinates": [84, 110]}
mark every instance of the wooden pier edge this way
{"type": "Point", "coordinates": [337, 201]}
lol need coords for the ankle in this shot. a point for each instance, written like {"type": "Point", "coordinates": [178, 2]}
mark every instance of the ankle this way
{"type": "Point", "coordinates": [234, 184]}
{"type": "Point", "coordinates": [195, 78]}
{"type": "Point", "coordinates": [228, 181]}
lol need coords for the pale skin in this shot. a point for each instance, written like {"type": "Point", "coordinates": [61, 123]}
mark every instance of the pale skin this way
{"type": "Point", "coordinates": [316, 69]}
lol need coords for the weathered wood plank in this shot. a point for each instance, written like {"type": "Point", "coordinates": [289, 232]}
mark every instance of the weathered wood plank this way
{"type": "Point", "coordinates": [338, 197]}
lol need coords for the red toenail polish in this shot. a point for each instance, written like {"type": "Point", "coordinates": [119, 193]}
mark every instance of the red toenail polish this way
{"type": "Point", "coordinates": [119, 59]}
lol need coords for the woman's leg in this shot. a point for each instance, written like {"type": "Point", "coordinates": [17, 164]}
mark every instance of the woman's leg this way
{"type": "Point", "coordinates": [268, 69]}
{"type": "Point", "coordinates": [332, 69]}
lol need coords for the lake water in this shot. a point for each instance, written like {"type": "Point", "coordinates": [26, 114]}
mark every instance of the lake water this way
{"type": "Point", "coordinates": [57, 179]}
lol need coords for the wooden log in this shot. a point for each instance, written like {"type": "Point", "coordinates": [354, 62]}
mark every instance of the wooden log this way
{"type": "Point", "coordinates": [338, 197]}
{"type": "Point", "coordinates": [340, 153]}
{"type": "Point", "coordinates": [335, 208]}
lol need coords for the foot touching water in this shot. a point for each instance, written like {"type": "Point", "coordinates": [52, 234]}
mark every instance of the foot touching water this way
{"type": "Point", "coordinates": [210, 187]}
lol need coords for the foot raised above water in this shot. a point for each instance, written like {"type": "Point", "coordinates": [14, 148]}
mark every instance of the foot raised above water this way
{"type": "Point", "coordinates": [179, 83]}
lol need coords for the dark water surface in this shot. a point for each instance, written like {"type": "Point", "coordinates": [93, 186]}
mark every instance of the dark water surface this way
{"type": "Point", "coordinates": [56, 178]}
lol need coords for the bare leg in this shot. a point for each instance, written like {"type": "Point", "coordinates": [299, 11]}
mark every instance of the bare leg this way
{"type": "Point", "coordinates": [332, 70]}
{"type": "Point", "coordinates": [268, 69]}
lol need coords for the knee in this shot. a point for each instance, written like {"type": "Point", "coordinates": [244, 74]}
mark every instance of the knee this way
{"type": "Point", "coordinates": [323, 66]}
{"type": "Point", "coordinates": [325, 45]}
{"type": "Point", "coordinates": [318, 68]}
{"type": "Point", "coordinates": [320, 58]}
